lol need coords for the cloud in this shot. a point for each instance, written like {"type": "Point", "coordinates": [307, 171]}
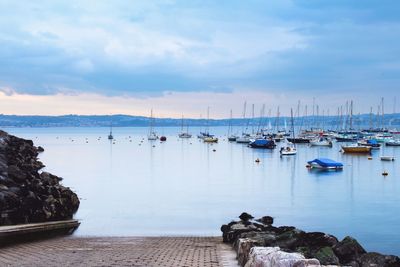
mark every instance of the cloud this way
{"type": "Point", "coordinates": [143, 49]}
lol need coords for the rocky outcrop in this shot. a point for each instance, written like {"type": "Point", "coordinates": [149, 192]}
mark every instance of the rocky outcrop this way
{"type": "Point", "coordinates": [259, 243]}
{"type": "Point", "coordinates": [28, 195]}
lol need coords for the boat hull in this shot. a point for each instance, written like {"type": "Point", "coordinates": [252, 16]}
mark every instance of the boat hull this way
{"type": "Point", "coordinates": [359, 149]}
{"type": "Point", "coordinates": [299, 140]}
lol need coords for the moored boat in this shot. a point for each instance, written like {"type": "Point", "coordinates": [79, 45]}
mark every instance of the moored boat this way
{"type": "Point", "coordinates": [325, 164]}
{"type": "Point", "coordinates": [356, 149]}
{"type": "Point", "coordinates": [288, 149]}
{"type": "Point", "coordinates": [369, 142]}
{"type": "Point", "coordinates": [321, 141]}
{"type": "Point", "coordinates": [388, 158]}
{"type": "Point", "coordinates": [262, 143]}
{"type": "Point", "coordinates": [210, 139]}
{"type": "Point", "coordinates": [393, 143]}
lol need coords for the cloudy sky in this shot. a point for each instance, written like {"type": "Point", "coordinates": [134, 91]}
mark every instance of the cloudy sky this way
{"type": "Point", "coordinates": [107, 57]}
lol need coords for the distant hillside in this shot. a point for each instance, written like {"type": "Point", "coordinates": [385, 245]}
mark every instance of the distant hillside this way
{"type": "Point", "coordinates": [332, 122]}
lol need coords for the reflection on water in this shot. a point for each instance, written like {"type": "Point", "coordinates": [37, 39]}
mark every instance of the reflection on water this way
{"type": "Point", "coordinates": [183, 187]}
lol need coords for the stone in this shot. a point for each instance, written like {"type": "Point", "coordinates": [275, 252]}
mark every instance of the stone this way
{"type": "Point", "coordinates": [326, 256]}
{"type": "Point", "coordinates": [27, 196]}
{"type": "Point", "coordinates": [267, 220]}
{"type": "Point", "coordinates": [348, 250]}
{"type": "Point", "coordinates": [274, 256]}
{"type": "Point", "coordinates": [245, 217]}
{"type": "Point", "coordinates": [373, 259]}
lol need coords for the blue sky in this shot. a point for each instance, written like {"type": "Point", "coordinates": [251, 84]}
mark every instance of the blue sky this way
{"type": "Point", "coordinates": [181, 56]}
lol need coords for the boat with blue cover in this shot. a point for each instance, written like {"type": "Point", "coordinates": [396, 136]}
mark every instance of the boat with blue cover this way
{"type": "Point", "coordinates": [324, 163]}
{"type": "Point", "coordinates": [262, 143]}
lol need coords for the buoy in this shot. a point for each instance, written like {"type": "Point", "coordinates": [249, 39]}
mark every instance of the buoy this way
{"type": "Point", "coordinates": [370, 158]}
{"type": "Point", "coordinates": [154, 146]}
{"type": "Point", "coordinates": [308, 166]}
{"type": "Point", "coordinates": [385, 173]}
{"type": "Point", "coordinates": [257, 160]}
{"type": "Point", "coordinates": [214, 150]}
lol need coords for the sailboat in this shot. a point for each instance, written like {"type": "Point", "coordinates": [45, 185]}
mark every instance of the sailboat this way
{"type": "Point", "coordinates": [289, 148]}
{"type": "Point", "coordinates": [152, 134]}
{"type": "Point", "coordinates": [231, 136]}
{"type": "Point", "coordinates": [321, 141]}
{"type": "Point", "coordinates": [208, 138]}
{"type": "Point", "coordinates": [110, 136]}
{"type": "Point", "coordinates": [245, 137]}
{"type": "Point", "coordinates": [184, 134]}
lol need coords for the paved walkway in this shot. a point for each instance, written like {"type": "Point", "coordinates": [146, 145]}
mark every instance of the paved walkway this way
{"type": "Point", "coordinates": [120, 251]}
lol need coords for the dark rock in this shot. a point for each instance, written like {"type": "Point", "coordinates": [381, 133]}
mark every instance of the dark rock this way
{"type": "Point", "coordinates": [245, 217]}
{"type": "Point", "coordinates": [289, 239]}
{"type": "Point", "coordinates": [348, 250]}
{"type": "Point", "coordinates": [25, 195]}
{"type": "Point", "coordinates": [40, 149]}
{"type": "Point", "coordinates": [267, 220]}
{"type": "Point", "coordinates": [318, 240]}
{"type": "Point", "coordinates": [326, 256]}
{"type": "Point", "coordinates": [376, 259]}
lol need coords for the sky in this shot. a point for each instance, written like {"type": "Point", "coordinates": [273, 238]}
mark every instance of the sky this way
{"type": "Point", "coordinates": [179, 57]}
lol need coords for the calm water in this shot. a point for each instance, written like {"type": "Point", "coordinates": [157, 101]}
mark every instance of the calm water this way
{"type": "Point", "coordinates": [182, 187]}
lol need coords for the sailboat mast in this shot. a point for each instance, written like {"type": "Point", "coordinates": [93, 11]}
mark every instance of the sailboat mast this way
{"type": "Point", "coordinates": [351, 114]}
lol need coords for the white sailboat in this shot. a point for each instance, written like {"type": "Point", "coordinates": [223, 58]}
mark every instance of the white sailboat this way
{"type": "Point", "coordinates": [152, 134]}
{"type": "Point", "coordinates": [184, 134]}
{"type": "Point", "coordinates": [288, 148]}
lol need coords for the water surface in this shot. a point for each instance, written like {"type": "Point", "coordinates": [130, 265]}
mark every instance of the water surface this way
{"type": "Point", "coordinates": [183, 187]}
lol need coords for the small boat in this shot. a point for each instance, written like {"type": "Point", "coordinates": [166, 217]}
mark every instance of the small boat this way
{"type": "Point", "coordinates": [232, 138]}
{"type": "Point", "coordinates": [325, 164]}
{"type": "Point", "coordinates": [163, 138]}
{"type": "Point", "coordinates": [110, 136]}
{"type": "Point", "coordinates": [185, 135]}
{"type": "Point", "coordinates": [369, 142]}
{"type": "Point", "coordinates": [299, 140]}
{"type": "Point", "coordinates": [393, 143]}
{"type": "Point", "coordinates": [288, 149]}
{"type": "Point", "coordinates": [356, 149]}
{"type": "Point", "coordinates": [388, 158]}
{"type": "Point", "coordinates": [244, 139]}
{"type": "Point", "coordinates": [262, 143]}
{"type": "Point", "coordinates": [152, 136]}
{"type": "Point", "coordinates": [210, 139]}
{"type": "Point", "coordinates": [321, 141]}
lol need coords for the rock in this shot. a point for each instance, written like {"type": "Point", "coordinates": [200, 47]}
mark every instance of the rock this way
{"type": "Point", "coordinates": [243, 246]}
{"type": "Point", "coordinates": [326, 256]}
{"type": "Point", "coordinates": [40, 149]}
{"type": "Point", "coordinates": [267, 220]}
{"type": "Point", "coordinates": [273, 256]}
{"type": "Point", "coordinates": [318, 240]}
{"type": "Point", "coordinates": [289, 239]}
{"type": "Point", "coordinates": [25, 194]}
{"type": "Point", "coordinates": [348, 250]}
{"type": "Point", "coordinates": [245, 217]}
{"type": "Point", "coordinates": [373, 259]}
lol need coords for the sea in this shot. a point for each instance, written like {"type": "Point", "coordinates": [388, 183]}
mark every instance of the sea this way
{"type": "Point", "coordinates": [134, 187]}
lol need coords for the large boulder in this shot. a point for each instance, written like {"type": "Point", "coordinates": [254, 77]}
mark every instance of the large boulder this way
{"type": "Point", "coordinates": [274, 256]}
{"type": "Point", "coordinates": [28, 195]}
{"type": "Point", "coordinates": [373, 259]}
{"type": "Point", "coordinates": [348, 250]}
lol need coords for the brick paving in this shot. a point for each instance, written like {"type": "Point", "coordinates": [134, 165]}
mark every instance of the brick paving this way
{"type": "Point", "coordinates": [120, 251]}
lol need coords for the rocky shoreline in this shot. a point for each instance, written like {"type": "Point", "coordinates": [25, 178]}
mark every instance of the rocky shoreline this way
{"type": "Point", "coordinates": [28, 195]}
{"type": "Point", "coordinates": [258, 243]}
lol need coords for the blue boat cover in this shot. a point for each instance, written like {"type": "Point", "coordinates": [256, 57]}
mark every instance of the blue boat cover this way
{"type": "Point", "coordinates": [326, 162]}
{"type": "Point", "coordinates": [262, 142]}
{"type": "Point", "coordinates": [372, 142]}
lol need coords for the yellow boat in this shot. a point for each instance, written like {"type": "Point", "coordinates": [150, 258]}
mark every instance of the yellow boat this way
{"type": "Point", "coordinates": [210, 140]}
{"type": "Point", "coordinates": [356, 149]}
